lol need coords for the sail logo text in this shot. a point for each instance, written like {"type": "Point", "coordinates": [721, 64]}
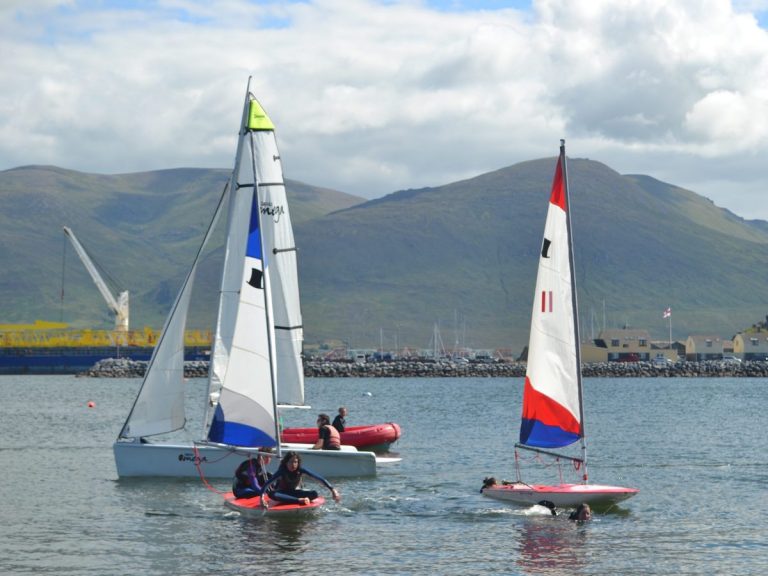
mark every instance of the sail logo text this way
{"type": "Point", "coordinates": [275, 211]}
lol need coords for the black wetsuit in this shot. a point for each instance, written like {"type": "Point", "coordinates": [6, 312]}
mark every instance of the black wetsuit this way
{"type": "Point", "coordinates": [285, 486]}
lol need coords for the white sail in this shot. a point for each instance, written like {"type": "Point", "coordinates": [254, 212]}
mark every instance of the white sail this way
{"type": "Point", "coordinates": [243, 370]}
{"type": "Point", "coordinates": [552, 411]}
{"type": "Point", "coordinates": [284, 280]}
{"type": "Point", "coordinates": [159, 405]}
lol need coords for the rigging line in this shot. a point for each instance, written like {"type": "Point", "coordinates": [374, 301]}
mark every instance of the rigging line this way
{"type": "Point", "coordinates": [200, 472]}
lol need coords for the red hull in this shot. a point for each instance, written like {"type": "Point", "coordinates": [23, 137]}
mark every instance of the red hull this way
{"type": "Point", "coordinates": [561, 495]}
{"type": "Point", "coordinates": [371, 437]}
{"type": "Point", "coordinates": [253, 506]}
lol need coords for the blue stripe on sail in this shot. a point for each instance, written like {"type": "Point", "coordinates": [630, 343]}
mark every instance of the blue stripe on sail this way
{"type": "Point", "coordinates": [237, 433]}
{"type": "Point", "coordinates": [534, 433]}
{"type": "Point", "coordinates": [253, 248]}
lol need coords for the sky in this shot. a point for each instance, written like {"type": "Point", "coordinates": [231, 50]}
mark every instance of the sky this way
{"type": "Point", "coordinates": [374, 96]}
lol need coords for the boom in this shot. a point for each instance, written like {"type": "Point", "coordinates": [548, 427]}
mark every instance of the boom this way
{"type": "Point", "coordinates": [120, 305]}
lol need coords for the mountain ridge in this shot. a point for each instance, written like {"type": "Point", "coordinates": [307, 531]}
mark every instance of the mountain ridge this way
{"type": "Point", "coordinates": [462, 255]}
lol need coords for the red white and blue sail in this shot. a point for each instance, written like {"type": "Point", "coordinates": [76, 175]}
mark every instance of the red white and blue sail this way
{"type": "Point", "coordinates": [243, 367]}
{"type": "Point", "coordinates": [552, 415]}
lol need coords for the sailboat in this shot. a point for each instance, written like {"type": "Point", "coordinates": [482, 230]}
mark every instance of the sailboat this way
{"type": "Point", "coordinates": [256, 365]}
{"type": "Point", "coordinates": [553, 408]}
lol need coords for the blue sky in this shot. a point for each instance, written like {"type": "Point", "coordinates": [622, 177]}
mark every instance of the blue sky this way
{"type": "Point", "coordinates": [370, 96]}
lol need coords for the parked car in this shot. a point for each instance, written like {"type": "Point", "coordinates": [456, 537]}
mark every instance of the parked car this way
{"type": "Point", "coordinates": [731, 360]}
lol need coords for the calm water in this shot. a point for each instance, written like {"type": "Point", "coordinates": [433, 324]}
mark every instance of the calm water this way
{"type": "Point", "coordinates": [695, 448]}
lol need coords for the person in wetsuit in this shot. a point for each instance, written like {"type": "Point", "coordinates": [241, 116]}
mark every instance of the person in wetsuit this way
{"type": "Point", "coordinates": [286, 485]}
{"type": "Point", "coordinates": [340, 422]}
{"type": "Point", "coordinates": [251, 477]}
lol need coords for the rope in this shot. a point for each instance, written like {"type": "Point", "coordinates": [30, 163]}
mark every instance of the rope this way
{"type": "Point", "coordinates": [200, 472]}
{"type": "Point", "coordinates": [546, 463]}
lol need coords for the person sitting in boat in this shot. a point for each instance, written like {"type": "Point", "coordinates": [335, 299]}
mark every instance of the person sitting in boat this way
{"type": "Point", "coordinates": [328, 436]}
{"type": "Point", "coordinates": [286, 485]}
{"type": "Point", "coordinates": [251, 477]}
{"type": "Point", "coordinates": [583, 513]}
{"type": "Point", "coordinates": [340, 421]}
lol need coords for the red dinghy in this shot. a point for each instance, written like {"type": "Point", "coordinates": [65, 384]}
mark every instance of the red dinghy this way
{"type": "Point", "coordinates": [254, 507]}
{"type": "Point", "coordinates": [561, 495]}
{"type": "Point", "coordinates": [374, 437]}
{"type": "Point", "coordinates": [553, 407]}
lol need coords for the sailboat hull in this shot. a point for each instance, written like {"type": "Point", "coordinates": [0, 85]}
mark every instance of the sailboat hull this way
{"type": "Point", "coordinates": [137, 459]}
{"type": "Point", "coordinates": [561, 495]}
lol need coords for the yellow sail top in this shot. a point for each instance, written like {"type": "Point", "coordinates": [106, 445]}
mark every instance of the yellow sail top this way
{"type": "Point", "coordinates": [257, 118]}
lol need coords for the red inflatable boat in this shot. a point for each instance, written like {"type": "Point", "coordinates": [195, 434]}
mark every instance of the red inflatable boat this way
{"type": "Point", "coordinates": [372, 438]}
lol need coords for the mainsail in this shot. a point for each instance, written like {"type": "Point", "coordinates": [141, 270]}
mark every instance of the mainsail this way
{"type": "Point", "coordinates": [243, 370]}
{"type": "Point", "coordinates": [552, 411]}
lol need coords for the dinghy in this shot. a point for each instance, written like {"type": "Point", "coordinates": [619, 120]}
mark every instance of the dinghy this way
{"type": "Point", "coordinates": [553, 415]}
{"type": "Point", "coordinates": [265, 506]}
{"type": "Point", "coordinates": [374, 437]}
{"type": "Point", "coordinates": [255, 200]}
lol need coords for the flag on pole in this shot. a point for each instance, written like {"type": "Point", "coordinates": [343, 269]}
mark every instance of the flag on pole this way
{"type": "Point", "coordinates": [667, 313]}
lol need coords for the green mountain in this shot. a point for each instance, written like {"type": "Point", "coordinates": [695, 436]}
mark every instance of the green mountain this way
{"type": "Point", "coordinates": [143, 230]}
{"type": "Point", "coordinates": [462, 256]}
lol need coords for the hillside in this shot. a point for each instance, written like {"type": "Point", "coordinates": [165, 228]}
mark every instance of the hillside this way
{"type": "Point", "coordinates": [462, 255]}
{"type": "Point", "coordinates": [143, 229]}
{"type": "Point", "coordinates": [465, 255]}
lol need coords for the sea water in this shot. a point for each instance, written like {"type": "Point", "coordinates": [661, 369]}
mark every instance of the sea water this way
{"type": "Point", "coordinates": [694, 447]}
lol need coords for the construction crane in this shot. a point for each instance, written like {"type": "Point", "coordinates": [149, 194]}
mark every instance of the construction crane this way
{"type": "Point", "coordinates": [120, 305]}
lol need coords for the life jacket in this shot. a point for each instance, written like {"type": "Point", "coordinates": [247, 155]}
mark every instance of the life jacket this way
{"type": "Point", "coordinates": [333, 441]}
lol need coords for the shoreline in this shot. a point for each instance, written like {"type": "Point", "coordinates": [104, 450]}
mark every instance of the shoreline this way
{"type": "Point", "coordinates": [125, 368]}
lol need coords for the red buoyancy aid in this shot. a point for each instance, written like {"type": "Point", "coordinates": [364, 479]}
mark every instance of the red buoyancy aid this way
{"type": "Point", "coordinates": [333, 442]}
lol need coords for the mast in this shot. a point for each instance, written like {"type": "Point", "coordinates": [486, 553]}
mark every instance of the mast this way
{"type": "Point", "coordinates": [575, 302]}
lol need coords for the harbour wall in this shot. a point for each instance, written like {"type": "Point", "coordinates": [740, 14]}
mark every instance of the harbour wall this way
{"type": "Point", "coordinates": [126, 368]}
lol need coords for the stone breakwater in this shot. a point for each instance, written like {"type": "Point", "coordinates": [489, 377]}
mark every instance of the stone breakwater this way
{"type": "Point", "coordinates": [125, 368]}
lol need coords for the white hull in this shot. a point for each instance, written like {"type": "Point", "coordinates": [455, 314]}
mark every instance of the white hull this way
{"type": "Point", "coordinates": [561, 495]}
{"type": "Point", "coordinates": [134, 459]}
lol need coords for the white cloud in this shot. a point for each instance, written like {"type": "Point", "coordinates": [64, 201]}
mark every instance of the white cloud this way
{"type": "Point", "coordinates": [370, 97]}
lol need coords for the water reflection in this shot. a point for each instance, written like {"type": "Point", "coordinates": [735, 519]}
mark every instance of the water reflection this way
{"type": "Point", "coordinates": [549, 543]}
